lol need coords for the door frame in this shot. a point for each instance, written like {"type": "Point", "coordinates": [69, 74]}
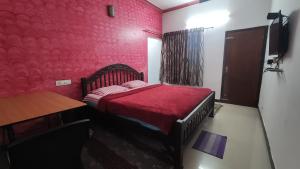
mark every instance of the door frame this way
{"type": "Point", "coordinates": [266, 27]}
{"type": "Point", "coordinates": [156, 38]}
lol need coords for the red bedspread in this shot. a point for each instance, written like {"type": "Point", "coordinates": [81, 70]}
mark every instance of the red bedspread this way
{"type": "Point", "coordinates": [158, 105]}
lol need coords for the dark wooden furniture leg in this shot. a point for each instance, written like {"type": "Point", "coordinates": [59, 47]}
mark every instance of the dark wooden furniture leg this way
{"type": "Point", "coordinates": [48, 121]}
{"type": "Point", "coordinates": [60, 119]}
{"type": "Point", "coordinates": [178, 147]}
{"type": "Point", "coordinates": [3, 135]}
{"type": "Point", "coordinates": [2, 146]}
{"type": "Point", "coordinates": [212, 113]}
{"type": "Point", "coordinates": [10, 133]}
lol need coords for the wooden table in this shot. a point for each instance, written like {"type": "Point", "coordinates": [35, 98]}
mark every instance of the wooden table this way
{"type": "Point", "coordinates": [31, 106]}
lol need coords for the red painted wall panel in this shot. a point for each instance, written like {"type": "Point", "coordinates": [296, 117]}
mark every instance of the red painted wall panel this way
{"type": "Point", "coordinates": [42, 41]}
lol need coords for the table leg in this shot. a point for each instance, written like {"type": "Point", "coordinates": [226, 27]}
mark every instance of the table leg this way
{"type": "Point", "coordinates": [10, 133]}
{"type": "Point", "coordinates": [3, 136]}
{"type": "Point", "coordinates": [2, 146]}
{"type": "Point", "coordinates": [61, 121]}
{"type": "Point", "coordinates": [48, 121]}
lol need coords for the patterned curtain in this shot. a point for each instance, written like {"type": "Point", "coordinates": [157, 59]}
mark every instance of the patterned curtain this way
{"type": "Point", "coordinates": [182, 57]}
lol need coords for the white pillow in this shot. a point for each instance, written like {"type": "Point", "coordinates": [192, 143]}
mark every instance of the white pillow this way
{"type": "Point", "coordinates": [109, 90]}
{"type": "Point", "coordinates": [134, 84]}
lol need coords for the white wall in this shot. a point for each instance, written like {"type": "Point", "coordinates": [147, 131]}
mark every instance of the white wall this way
{"type": "Point", "coordinates": [244, 14]}
{"type": "Point", "coordinates": [154, 58]}
{"type": "Point", "coordinates": [280, 97]}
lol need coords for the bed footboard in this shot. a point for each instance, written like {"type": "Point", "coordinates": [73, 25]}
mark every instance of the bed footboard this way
{"type": "Point", "coordinates": [185, 128]}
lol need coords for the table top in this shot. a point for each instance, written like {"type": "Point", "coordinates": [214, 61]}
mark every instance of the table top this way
{"type": "Point", "coordinates": [24, 107]}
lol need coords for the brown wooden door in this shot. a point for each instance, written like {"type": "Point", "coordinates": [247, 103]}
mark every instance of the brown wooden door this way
{"type": "Point", "coordinates": [243, 66]}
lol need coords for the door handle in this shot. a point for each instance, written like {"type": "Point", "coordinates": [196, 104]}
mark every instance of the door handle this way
{"type": "Point", "coordinates": [230, 38]}
{"type": "Point", "coordinates": [226, 69]}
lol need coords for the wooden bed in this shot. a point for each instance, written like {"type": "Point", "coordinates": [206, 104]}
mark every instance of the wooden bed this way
{"type": "Point", "coordinates": [182, 130]}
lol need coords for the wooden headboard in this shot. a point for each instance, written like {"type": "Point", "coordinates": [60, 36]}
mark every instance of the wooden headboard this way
{"type": "Point", "coordinates": [115, 74]}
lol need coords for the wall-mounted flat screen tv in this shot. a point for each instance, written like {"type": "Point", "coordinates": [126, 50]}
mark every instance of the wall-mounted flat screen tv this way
{"type": "Point", "coordinates": [279, 37]}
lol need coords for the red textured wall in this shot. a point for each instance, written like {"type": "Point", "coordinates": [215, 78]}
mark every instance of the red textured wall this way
{"type": "Point", "coordinates": [42, 41]}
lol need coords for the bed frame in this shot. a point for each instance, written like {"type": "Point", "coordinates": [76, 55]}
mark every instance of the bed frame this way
{"type": "Point", "coordinates": [182, 130]}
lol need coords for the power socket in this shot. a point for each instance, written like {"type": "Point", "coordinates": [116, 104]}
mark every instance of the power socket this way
{"type": "Point", "coordinates": [63, 82]}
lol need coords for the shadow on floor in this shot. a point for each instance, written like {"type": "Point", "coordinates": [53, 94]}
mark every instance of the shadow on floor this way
{"type": "Point", "coordinates": [119, 149]}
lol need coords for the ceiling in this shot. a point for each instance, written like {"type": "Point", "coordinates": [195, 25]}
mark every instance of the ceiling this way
{"type": "Point", "coordinates": [166, 4]}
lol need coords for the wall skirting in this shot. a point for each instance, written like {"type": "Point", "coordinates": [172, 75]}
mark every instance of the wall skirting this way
{"type": "Point", "coordinates": [267, 140]}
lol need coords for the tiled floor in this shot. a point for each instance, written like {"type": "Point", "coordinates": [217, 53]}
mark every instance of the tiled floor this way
{"type": "Point", "coordinates": [246, 146]}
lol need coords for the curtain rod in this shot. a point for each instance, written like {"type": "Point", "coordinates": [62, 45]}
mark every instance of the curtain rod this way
{"type": "Point", "coordinates": [152, 32]}
{"type": "Point", "coordinates": [209, 28]}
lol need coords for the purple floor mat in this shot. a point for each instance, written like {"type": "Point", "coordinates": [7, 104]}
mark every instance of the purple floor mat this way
{"type": "Point", "coordinates": [211, 143]}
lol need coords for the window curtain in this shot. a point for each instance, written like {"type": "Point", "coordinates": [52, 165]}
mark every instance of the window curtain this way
{"type": "Point", "coordinates": [182, 57]}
